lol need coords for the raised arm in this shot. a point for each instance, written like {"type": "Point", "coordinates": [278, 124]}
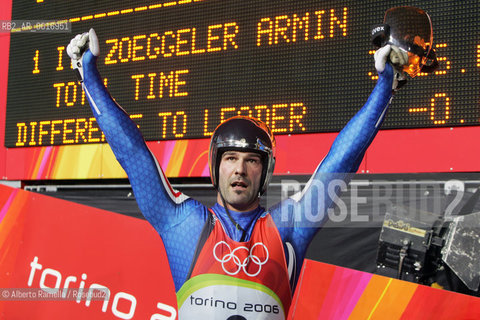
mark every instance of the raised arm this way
{"type": "Point", "coordinates": [159, 203]}
{"type": "Point", "coordinates": [299, 217]}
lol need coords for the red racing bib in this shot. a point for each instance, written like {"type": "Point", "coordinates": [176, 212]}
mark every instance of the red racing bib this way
{"type": "Point", "coordinates": [238, 280]}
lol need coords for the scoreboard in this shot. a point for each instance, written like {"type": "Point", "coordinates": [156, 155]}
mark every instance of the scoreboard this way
{"type": "Point", "coordinates": [179, 68]}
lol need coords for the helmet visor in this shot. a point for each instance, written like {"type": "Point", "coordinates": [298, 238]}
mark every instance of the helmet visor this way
{"type": "Point", "coordinates": [410, 30]}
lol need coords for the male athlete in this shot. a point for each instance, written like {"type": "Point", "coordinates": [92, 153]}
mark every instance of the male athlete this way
{"type": "Point", "coordinates": [235, 260]}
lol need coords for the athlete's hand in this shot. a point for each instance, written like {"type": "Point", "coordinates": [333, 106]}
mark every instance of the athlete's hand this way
{"type": "Point", "coordinates": [78, 46]}
{"type": "Point", "coordinates": [397, 57]}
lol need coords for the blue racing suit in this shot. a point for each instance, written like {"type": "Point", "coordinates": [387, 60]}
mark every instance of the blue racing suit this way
{"type": "Point", "coordinates": [179, 219]}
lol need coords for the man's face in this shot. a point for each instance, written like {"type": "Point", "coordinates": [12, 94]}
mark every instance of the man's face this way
{"type": "Point", "coordinates": [239, 180]}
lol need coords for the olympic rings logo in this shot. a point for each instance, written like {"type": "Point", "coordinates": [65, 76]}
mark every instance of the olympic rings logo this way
{"type": "Point", "coordinates": [238, 262]}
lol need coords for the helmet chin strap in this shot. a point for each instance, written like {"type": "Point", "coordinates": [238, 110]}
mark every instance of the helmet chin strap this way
{"type": "Point", "coordinates": [239, 227]}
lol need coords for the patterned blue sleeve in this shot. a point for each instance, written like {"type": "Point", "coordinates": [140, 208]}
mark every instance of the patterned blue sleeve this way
{"type": "Point", "coordinates": [171, 213]}
{"type": "Point", "coordinates": [300, 217]}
